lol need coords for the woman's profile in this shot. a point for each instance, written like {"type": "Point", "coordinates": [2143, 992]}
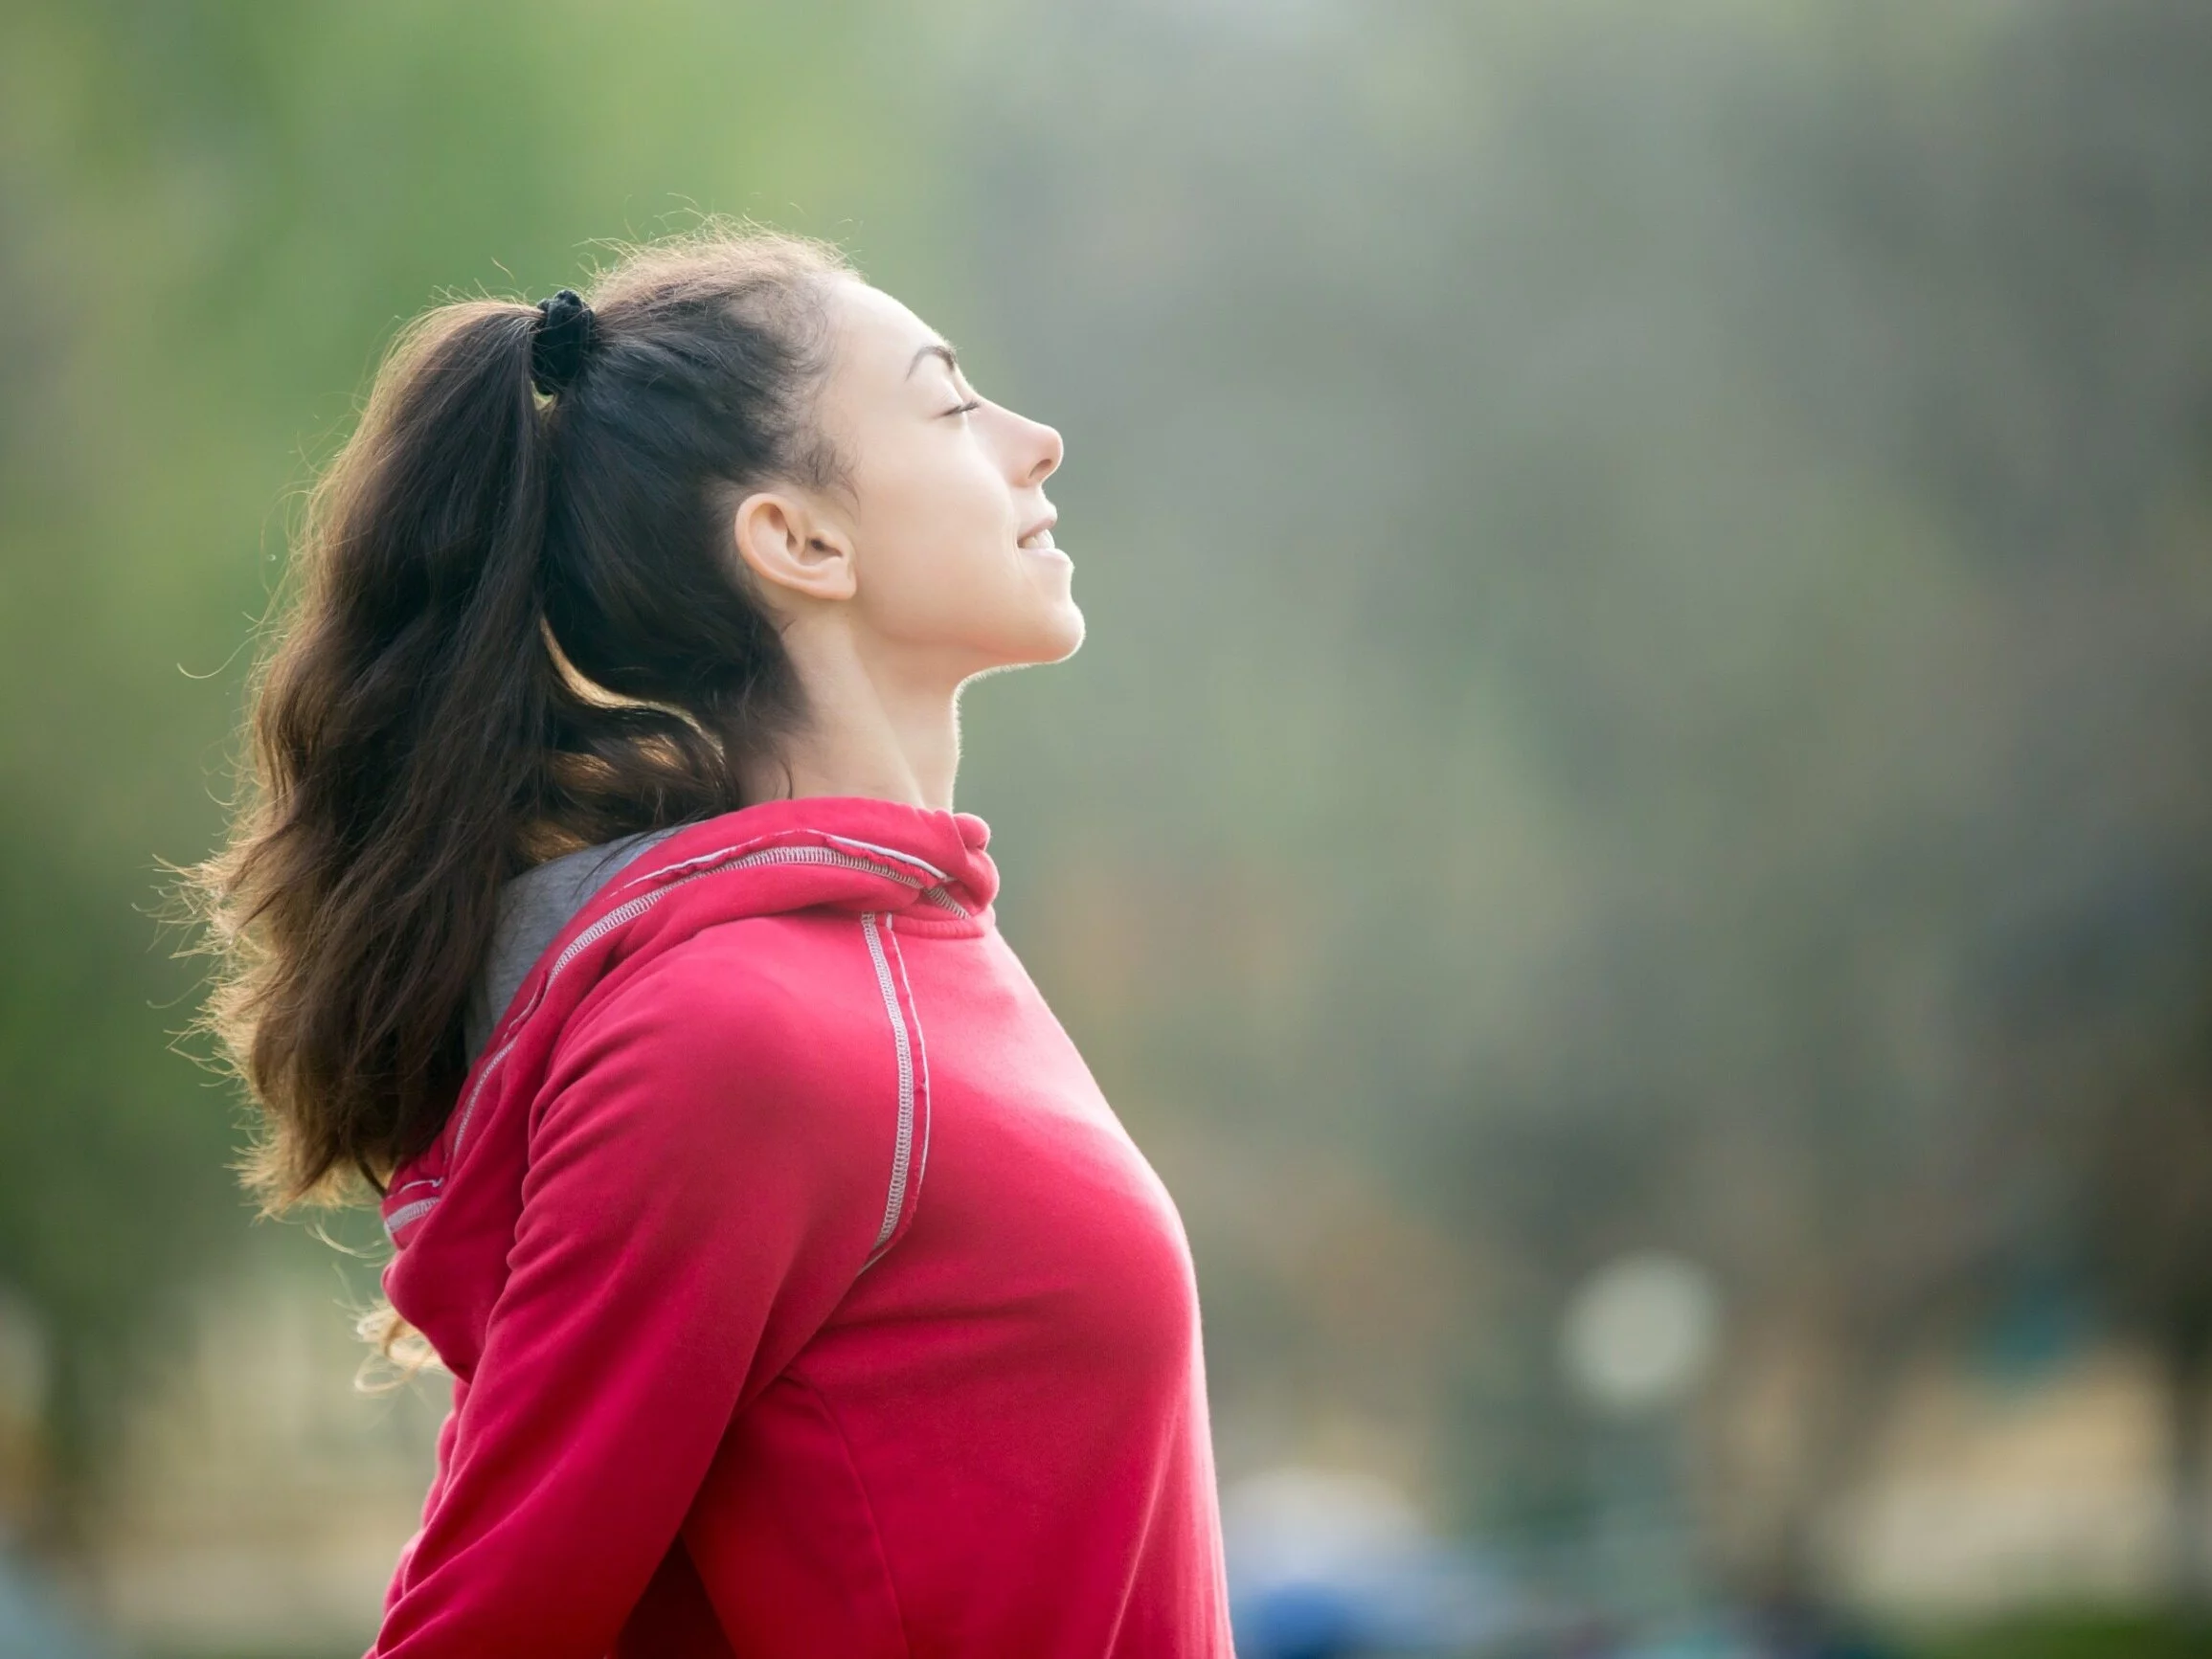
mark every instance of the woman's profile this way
{"type": "Point", "coordinates": [600, 901]}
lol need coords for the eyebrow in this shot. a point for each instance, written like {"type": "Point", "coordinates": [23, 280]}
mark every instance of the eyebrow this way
{"type": "Point", "coordinates": [934, 348]}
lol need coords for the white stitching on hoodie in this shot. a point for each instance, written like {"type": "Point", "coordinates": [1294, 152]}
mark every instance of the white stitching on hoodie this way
{"type": "Point", "coordinates": [944, 901]}
{"type": "Point", "coordinates": [889, 853]}
{"type": "Point", "coordinates": [406, 1213]}
{"type": "Point", "coordinates": [902, 1151]}
{"type": "Point", "coordinates": [921, 1049]}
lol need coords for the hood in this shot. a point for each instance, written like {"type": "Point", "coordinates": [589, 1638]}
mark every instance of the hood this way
{"type": "Point", "coordinates": [533, 910]}
{"type": "Point", "coordinates": [452, 1210]}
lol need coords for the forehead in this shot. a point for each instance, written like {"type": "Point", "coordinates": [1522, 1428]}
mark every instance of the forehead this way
{"type": "Point", "coordinates": [877, 337]}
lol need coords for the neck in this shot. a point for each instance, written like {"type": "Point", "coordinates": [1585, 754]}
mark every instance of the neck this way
{"type": "Point", "coordinates": [874, 727]}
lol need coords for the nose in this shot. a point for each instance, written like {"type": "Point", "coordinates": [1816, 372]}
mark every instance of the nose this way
{"type": "Point", "coordinates": [1042, 449]}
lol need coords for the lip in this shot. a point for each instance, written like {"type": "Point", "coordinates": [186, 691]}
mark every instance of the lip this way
{"type": "Point", "coordinates": [1044, 523]}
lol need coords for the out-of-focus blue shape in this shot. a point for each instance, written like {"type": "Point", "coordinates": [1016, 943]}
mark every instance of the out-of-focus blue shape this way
{"type": "Point", "coordinates": [31, 1625]}
{"type": "Point", "coordinates": [1322, 1566]}
{"type": "Point", "coordinates": [2045, 1319]}
{"type": "Point", "coordinates": [1298, 1619]}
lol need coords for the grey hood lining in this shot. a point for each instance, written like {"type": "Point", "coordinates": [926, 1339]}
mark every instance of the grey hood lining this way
{"type": "Point", "coordinates": [533, 908]}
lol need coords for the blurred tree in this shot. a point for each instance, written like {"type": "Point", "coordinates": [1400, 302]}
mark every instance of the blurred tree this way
{"type": "Point", "coordinates": [1664, 531]}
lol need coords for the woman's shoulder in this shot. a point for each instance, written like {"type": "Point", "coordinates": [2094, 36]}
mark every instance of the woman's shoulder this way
{"type": "Point", "coordinates": [789, 1007]}
{"type": "Point", "coordinates": [796, 972]}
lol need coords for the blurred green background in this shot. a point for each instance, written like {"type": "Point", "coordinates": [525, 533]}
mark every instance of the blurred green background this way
{"type": "Point", "coordinates": [1633, 834]}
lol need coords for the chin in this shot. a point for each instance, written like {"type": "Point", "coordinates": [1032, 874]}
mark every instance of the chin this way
{"type": "Point", "coordinates": [1073, 631]}
{"type": "Point", "coordinates": [1067, 634]}
{"type": "Point", "coordinates": [1053, 639]}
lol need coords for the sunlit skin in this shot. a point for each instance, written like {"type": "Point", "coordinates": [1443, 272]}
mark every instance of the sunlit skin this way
{"type": "Point", "coordinates": [934, 566]}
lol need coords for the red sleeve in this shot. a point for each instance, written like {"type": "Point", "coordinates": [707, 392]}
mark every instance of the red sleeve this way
{"type": "Point", "coordinates": [698, 1200]}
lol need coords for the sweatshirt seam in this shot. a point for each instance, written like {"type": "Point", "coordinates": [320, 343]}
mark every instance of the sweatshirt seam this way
{"type": "Point", "coordinates": [925, 1103]}
{"type": "Point", "coordinates": [903, 1121]}
{"type": "Point", "coordinates": [866, 1506]}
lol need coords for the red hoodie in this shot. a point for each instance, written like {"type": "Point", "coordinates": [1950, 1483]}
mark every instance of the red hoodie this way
{"type": "Point", "coordinates": [803, 1295]}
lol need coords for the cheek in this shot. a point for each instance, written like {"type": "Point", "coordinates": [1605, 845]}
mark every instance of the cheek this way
{"type": "Point", "coordinates": [936, 553]}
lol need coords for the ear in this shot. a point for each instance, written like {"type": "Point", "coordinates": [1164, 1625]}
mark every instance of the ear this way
{"type": "Point", "coordinates": [793, 547]}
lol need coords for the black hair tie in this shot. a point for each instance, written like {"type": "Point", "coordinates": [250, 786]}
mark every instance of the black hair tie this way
{"type": "Point", "coordinates": [557, 348]}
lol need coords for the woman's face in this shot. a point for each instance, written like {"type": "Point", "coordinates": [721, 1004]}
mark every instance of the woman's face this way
{"type": "Point", "coordinates": [950, 533]}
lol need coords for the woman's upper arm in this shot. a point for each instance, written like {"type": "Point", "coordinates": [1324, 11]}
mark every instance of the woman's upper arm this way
{"type": "Point", "coordinates": [695, 1205]}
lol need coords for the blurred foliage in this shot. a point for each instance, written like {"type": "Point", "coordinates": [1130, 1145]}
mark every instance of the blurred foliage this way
{"type": "Point", "coordinates": [2086, 1635]}
{"type": "Point", "coordinates": [1651, 656]}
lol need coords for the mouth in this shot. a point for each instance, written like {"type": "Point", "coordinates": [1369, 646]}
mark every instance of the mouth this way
{"type": "Point", "coordinates": [1038, 537]}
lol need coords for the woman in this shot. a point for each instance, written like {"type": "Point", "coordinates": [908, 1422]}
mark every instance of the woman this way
{"type": "Point", "coordinates": [801, 1293]}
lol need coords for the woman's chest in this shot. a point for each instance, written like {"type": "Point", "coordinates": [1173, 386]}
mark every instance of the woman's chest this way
{"type": "Point", "coordinates": [1037, 1226]}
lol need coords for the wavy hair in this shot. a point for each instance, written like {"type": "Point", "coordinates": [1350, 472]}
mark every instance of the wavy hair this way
{"type": "Point", "coordinates": [514, 625]}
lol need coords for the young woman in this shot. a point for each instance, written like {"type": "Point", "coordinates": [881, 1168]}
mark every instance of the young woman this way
{"type": "Point", "coordinates": [603, 905]}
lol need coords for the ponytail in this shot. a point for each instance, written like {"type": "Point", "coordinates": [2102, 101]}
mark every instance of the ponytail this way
{"type": "Point", "coordinates": [516, 631]}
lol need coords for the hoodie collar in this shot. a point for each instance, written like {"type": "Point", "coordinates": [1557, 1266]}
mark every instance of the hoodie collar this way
{"type": "Point", "coordinates": [943, 848]}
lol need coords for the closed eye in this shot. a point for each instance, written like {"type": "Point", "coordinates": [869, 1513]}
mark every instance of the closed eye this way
{"type": "Point", "coordinates": [972, 403]}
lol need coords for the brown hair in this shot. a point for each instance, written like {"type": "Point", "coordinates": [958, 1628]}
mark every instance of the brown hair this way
{"type": "Point", "coordinates": [518, 627]}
